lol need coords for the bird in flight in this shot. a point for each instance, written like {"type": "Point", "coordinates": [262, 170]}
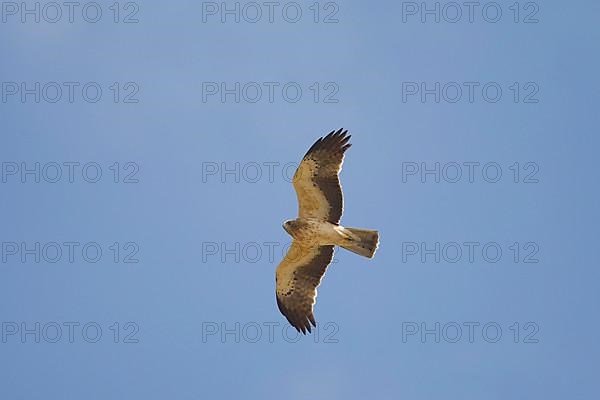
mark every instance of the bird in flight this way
{"type": "Point", "coordinates": [317, 231]}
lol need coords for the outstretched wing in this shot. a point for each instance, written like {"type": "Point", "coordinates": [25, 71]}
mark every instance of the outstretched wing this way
{"type": "Point", "coordinates": [316, 180]}
{"type": "Point", "coordinates": [297, 278]}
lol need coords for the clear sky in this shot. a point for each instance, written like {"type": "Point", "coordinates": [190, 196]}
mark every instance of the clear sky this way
{"type": "Point", "coordinates": [145, 178]}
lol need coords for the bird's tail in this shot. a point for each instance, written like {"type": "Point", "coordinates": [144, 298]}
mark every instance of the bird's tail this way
{"type": "Point", "coordinates": [361, 241]}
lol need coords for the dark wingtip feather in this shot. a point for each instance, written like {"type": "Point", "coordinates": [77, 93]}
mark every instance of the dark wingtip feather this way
{"type": "Point", "coordinates": [311, 318]}
{"type": "Point", "coordinates": [315, 146]}
{"type": "Point", "coordinates": [300, 323]}
{"type": "Point", "coordinates": [334, 141]}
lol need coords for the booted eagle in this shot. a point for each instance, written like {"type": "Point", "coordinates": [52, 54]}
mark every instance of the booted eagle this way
{"type": "Point", "coordinates": [317, 231]}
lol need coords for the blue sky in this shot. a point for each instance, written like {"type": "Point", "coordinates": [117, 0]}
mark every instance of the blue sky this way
{"type": "Point", "coordinates": [155, 208]}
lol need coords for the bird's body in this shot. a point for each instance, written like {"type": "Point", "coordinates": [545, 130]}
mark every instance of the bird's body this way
{"type": "Point", "coordinates": [317, 230]}
{"type": "Point", "coordinates": [314, 232]}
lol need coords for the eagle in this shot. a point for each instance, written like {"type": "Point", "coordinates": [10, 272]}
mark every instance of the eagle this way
{"type": "Point", "coordinates": [317, 230]}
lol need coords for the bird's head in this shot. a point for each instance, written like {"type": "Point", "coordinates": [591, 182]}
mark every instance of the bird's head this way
{"type": "Point", "coordinates": [289, 225]}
